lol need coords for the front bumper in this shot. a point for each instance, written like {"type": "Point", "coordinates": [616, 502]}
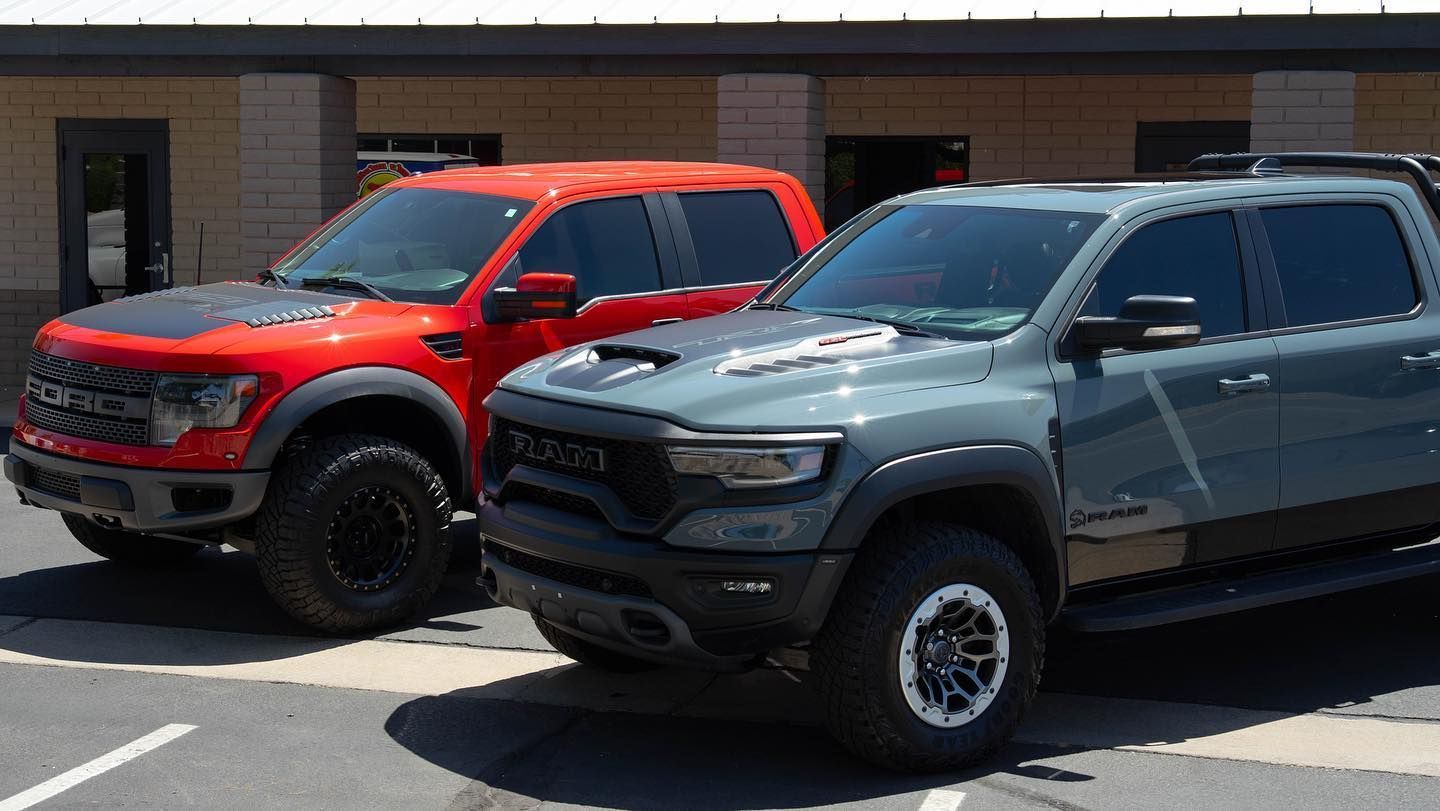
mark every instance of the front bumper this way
{"type": "Point", "coordinates": [138, 499]}
{"type": "Point", "coordinates": [646, 599]}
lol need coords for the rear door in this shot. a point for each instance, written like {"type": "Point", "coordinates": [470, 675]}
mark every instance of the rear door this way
{"type": "Point", "coordinates": [1167, 463]}
{"type": "Point", "coordinates": [730, 243]}
{"type": "Point", "coordinates": [1360, 391]}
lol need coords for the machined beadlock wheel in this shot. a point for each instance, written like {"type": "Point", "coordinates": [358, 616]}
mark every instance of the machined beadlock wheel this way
{"type": "Point", "coordinates": [354, 533]}
{"type": "Point", "coordinates": [933, 647]}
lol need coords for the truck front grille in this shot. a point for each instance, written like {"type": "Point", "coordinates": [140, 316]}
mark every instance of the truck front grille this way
{"type": "Point", "coordinates": [54, 482]}
{"type": "Point", "coordinates": [581, 577]}
{"type": "Point", "coordinates": [88, 400]}
{"type": "Point", "coordinates": [639, 473]}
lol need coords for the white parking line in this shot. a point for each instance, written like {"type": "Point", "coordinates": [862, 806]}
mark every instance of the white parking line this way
{"type": "Point", "coordinates": [942, 799]}
{"type": "Point", "coordinates": [99, 765]}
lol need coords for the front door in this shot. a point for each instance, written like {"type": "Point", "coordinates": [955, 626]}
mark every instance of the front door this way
{"type": "Point", "coordinates": [114, 210]}
{"type": "Point", "coordinates": [1167, 460]}
{"type": "Point", "coordinates": [620, 252]}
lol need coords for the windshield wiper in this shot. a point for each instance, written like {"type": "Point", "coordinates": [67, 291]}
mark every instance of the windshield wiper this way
{"type": "Point", "coordinates": [346, 283]}
{"type": "Point", "coordinates": [771, 305]}
{"type": "Point", "coordinates": [904, 327]}
{"type": "Point", "coordinates": [274, 278]}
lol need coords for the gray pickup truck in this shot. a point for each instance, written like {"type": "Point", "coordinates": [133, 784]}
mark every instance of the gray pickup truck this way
{"type": "Point", "coordinates": [975, 411]}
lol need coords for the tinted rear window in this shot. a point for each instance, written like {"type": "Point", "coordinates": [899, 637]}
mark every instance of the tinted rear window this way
{"type": "Point", "coordinates": [739, 236]}
{"type": "Point", "coordinates": [1339, 263]}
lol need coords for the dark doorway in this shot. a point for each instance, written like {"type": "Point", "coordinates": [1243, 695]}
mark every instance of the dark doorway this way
{"type": "Point", "coordinates": [114, 210]}
{"type": "Point", "coordinates": [862, 171]}
{"type": "Point", "coordinates": [1169, 146]}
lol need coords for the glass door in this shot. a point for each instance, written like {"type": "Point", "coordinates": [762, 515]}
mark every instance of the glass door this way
{"type": "Point", "coordinates": [114, 210]}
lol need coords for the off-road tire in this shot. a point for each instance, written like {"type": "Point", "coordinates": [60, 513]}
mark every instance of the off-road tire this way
{"type": "Point", "coordinates": [130, 548]}
{"type": "Point", "coordinates": [854, 657]}
{"type": "Point", "coordinates": [588, 653]}
{"type": "Point", "coordinates": [305, 492]}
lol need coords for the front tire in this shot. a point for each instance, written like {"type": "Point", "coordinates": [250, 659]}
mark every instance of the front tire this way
{"type": "Point", "coordinates": [933, 650]}
{"type": "Point", "coordinates": [588, 653]}
{"type": "Point", "coordinates": [354, 534]}
{"type": "Point", "coordinates": [130, 548]}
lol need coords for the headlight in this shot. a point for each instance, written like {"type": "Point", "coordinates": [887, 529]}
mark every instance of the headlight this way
{"type": "Point", "coordinates": [183, 402]}
{"type": "Point", "coordinates": [743, 468]}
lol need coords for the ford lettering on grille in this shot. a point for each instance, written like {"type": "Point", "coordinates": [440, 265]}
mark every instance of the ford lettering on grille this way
{"type": "Point", "coordinates": [568, 454]}
{"type": "Point", "coordinates": [75, 398]}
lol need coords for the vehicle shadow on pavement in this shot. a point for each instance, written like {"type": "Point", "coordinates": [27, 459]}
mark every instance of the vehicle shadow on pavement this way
{"type": "Point", "coordinates": [218, 589]}
{"type": "Point", "coordinates": [643, 761]}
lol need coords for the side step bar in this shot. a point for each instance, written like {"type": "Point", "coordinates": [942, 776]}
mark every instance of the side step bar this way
{"type": "Point", "coordinates": [1240, 594]}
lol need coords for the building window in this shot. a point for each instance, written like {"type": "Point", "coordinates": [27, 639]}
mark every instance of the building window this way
{"type": "Point", "coordinates": [1169, 146]}
{"type": "Point", "coordinates": [861, 171]}
{"type": "Point", "coordinates": [485, 149]}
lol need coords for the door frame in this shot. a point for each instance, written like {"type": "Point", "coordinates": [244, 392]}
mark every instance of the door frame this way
{"type": "Point", "coordinates": [125, 136]}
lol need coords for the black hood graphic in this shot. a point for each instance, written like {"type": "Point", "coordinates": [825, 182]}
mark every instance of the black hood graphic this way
{"type": "Point", "coordinates": [184, 312]}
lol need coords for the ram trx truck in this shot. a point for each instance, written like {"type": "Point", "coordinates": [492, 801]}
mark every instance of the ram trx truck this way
{"type": "Point", "coordinates": [327, 414]}
{"type": "Point", "coordinates": [973, 411]}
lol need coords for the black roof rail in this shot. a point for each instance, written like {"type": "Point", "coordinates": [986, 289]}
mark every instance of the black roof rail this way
{"type": "Point", "coordinates": [1417, 166]}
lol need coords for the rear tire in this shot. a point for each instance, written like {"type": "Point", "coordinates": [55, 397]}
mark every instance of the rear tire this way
{"type": "Point", "coordinates": [130, 548]}
{"type": "Point", "coordinates": [886, 658]}
{"type": "Point", "coordinates": [588, 653]}
{"type": "Point", "coordinates": [354, 534]}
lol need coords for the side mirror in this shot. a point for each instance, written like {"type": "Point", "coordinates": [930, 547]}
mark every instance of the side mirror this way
{"type": "Point", "coordinates": [1144, 322]}
{"type": "Point", "coordinates": [537, 295]}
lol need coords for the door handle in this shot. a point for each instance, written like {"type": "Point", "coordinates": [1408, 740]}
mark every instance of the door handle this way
{"type": "Point", "coordinates": [1427, 361]}
{"type": "Point", "coordinates": [1244, 384]}
{"type": "Point", "coordinates": [660, 322]}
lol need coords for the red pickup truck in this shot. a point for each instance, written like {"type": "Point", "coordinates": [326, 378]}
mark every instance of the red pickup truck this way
{"type": "Point", "coordinates": [327, 415]}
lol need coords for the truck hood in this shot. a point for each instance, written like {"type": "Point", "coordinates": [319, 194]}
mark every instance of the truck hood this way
{"type": "Point", "coordinates": [189, 321]}
{"type": "Point", "coordinates": [754, 370]}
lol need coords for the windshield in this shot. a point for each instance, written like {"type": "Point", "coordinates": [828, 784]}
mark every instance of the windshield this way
{"type": "Point", "coordinates": [420, 245]}
{"type": "Point", "coordinates": [963, 272]}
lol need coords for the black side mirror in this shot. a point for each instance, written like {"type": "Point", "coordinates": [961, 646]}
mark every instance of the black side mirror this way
{"type": "Point", "coordinates": [1144, 322]}
{"type": "Point", "coordinates": [537, 295]}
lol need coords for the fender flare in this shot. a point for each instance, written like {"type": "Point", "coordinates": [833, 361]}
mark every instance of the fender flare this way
{"type": "Point", "coordinates": [362, 381]}
{"type": "Point", "coordinates": [949, 468]}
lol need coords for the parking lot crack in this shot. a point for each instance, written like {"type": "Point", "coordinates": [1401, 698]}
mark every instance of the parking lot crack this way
{"type": "Point", "coordinates": [28, 622]}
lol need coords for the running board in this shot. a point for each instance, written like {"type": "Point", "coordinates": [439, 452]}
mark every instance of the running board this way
{"type": "Point", "coordinates": [1240, 594]}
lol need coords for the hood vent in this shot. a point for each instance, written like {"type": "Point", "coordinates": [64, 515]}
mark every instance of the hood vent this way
{"type": "Point", "coordinates": [654, 357]}
{"type": "Point", "coordinates": [447, 345]}
{"type": "Point", "coordinates": [811, 353]}
{"type": "Point", "coordinates": [302, 314]}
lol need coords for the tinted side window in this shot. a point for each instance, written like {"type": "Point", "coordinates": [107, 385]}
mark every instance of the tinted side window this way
{"type": "Point", "coordinates": [605, 244]}
{"type": "Point", "coordinates": [1187, 256]}
{"type": "Point", "coordinates": [1339, 263]}
{"type": "Point", "coordinates": [739, 236]}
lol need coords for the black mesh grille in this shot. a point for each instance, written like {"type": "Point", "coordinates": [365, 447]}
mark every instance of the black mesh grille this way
{"type": "Point", "coordinates": [79, 425]}
{"type": "Point", "coordinates": [579, 505]}
{"type": "Point", "coordinates": [639, 473]}
{"type": "Point", "coordinates": [571, 575]}
{"type": "Point", "coordinates": [91, 375]}
{"type": "Point", "coordinates": [54, 482]}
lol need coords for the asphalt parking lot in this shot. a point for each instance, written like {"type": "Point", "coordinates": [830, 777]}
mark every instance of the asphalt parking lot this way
{"type": "Point", "coordinates": [194, 690]}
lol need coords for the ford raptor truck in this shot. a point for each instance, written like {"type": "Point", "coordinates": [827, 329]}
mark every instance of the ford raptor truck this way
{"type": "Point", "coordinates": [975, 411]}
{"type": "Point", "coordinates": [327, 414]}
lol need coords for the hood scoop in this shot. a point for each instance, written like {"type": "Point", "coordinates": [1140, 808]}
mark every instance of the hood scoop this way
{"type": "Point", "coordinates": [265, 319]}
{"type": "Point", "coordinates": [811, 353]}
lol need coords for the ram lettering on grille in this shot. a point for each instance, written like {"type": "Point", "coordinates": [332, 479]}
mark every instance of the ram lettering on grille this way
{"type": "Point", "coordinates": [569, 454]}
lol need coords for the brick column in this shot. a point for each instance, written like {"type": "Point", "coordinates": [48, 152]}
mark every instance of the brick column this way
{"type": "Point", "coordinates": [776, 120]}
{"type": "Point", "coordinates": [1303, 111]}
{"type": "Point", "coordinates": [297, 159]}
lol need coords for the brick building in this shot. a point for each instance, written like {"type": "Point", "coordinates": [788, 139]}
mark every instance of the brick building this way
{"type": "Point", "coordinates": [182, 114]}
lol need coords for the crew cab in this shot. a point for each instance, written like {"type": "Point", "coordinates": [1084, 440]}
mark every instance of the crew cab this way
{"type": "Point", "coordinates": [327, 414]}
{"type": "Point", "coordinates": [972, 412]}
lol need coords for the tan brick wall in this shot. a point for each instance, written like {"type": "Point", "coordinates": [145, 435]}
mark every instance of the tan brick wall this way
{"type": "Point", "coordinates": [552, 119]}
{"type": "Point", "coordinates": [204, 179]}
{"type": "Point", "coordinates": [1038, 125]}
{"type": "Point", "coordinates": [1397, 112]}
